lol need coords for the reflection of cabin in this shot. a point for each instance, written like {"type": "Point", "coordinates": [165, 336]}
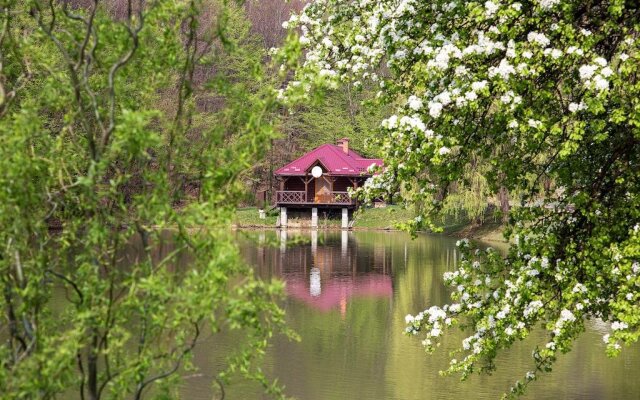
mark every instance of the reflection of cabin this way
{"type": "Point", "coordinates": [321, 179]}
{"type": "Point", "coordinates": [331, 271]}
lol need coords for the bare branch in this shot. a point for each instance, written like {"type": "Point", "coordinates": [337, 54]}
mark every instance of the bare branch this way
{"type": "Point", "coordinates": [133, 34]}
{"type": "Point", "coordinates": [70, 282]}
{"type": "Point", "coordinates": [176, 366]}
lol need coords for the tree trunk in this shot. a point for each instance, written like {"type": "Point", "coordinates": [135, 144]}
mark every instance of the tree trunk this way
{"type": "Point", "coordinates": [503, 196]}
{"type": "Point", "coordinates": [92, 366]}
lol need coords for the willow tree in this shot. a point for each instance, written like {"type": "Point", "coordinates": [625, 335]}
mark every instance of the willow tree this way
{"type": "Point", "coordinates": [96, 105]}
{"type": "Point", "coordinates": [543, 90]}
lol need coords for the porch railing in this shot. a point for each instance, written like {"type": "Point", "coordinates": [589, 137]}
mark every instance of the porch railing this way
{"type": "Point", "coordinates": [291, 197]}
{"type": "Point", "coordinates": [341, 198]}
{"type": "Point", "coordinates": [300, 197]}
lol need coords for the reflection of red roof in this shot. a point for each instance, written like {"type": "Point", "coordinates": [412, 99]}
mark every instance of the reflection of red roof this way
{"type": "Point", "coordinates": [336, 290]}
{"type": "Point", "coordinates": [332, 158]}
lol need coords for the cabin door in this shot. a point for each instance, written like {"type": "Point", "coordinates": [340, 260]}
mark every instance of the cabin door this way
{"type": "Point", "coordinates": [322, 190]}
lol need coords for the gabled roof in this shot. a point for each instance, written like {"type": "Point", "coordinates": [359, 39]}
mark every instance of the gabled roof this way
{"type": "Point", "coordinates": [332, 158]}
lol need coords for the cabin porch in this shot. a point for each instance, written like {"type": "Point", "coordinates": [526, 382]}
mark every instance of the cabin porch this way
{"type": "Point", "coordinates": [307, 191]}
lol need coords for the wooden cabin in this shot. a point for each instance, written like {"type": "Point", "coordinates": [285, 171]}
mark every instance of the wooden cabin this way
{"type": "Point", "coordinates": [321, 179]}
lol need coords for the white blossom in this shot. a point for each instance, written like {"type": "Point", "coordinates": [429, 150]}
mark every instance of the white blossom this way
{"type": "Point", "coordinates": [606, 72]}
{"type": "Point", "coordinates": [532, 308]}
{"type": "Point", "coordinates": [477, 86]}
{"type": "Point", "coordinates": [504, 70]}
{"type": "Point", "coordinates": [435, 109]}
{"type": "Point", "coordinates": [587, 71]}
{"type": "Point", "coordinates": [490, 8]}
{"type": "Point", "coordinates": [538, 38]}
{"type": "Point", "coordinates": [618, 326]}
{"type": "Point", "coordinates": [601, 83]}
{"type": "Point", "coordinates": [566, 315]}
{"type": "Point", "coordinates": [414, 103]}
{"type": "Point", "coordinates": [600, 61]}
{"type": "Point", "coordinates": [574, 107]}
{"type": "Point", "coordinates": [547, 4]}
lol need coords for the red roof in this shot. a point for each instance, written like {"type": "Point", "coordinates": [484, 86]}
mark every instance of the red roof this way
{"type": "Point", "coordinates": [334, 160]}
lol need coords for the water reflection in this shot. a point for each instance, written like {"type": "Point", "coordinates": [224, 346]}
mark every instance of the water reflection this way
{"type": "Point", "coordinates": [347, 295]}
{"type": "Point", "coordinates": [329, 276]}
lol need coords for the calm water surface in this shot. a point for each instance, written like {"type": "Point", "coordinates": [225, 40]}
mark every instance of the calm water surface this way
{"type": "Point", "coordinates": [347, 295]}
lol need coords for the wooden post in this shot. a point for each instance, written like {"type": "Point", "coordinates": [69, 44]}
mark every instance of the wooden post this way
{"type": "Point", "coordinates": [331, 180]}
{"type": "Point", "coordinates": [354, 183]}
{"type": "Point", "coordinates": [306, 181]}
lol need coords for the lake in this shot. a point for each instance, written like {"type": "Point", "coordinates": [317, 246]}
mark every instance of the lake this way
{"type": "Point", "coordinates": [347, 296]}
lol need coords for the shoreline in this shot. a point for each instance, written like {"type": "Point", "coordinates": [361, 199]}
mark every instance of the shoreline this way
{"type": "Point", "coordinates": [486, 232]}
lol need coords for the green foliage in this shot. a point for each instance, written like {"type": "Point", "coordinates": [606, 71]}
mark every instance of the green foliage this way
{"type": "Point", "coordinates": [98, 134]}
{"type": "Point", "coordinates": [345, 112]}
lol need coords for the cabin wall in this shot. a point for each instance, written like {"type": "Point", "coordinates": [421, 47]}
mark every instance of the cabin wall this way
{"type": "Point", "coordinates": [341, 184]}
{"type": "Point", "coordinates": [294, 184]}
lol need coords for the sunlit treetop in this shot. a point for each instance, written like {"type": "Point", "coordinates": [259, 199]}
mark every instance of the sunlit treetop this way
{"type": "Point", "coordinates": [542, 91]}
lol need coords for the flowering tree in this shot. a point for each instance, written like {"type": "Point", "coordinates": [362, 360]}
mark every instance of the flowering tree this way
{"type": "Point", "coordinates": [543, 90]}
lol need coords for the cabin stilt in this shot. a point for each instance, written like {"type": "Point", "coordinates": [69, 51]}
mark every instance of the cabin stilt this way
{"type": "Point", "coordinates": [314, 217]}
{"type": "Point", "coordinates": [345, 218]}
{"type": "Point", "coordinates": [283, 217]}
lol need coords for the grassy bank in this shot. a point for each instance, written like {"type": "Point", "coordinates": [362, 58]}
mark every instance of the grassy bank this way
{"type": "Point", "coordinates": [488, 231]}
{"type": "Point", "coordinates": [376, 219]}
{"type": "Point", "coordinates": [369, 218]}
{"type": "Point", "coordinates": [249, 218]}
